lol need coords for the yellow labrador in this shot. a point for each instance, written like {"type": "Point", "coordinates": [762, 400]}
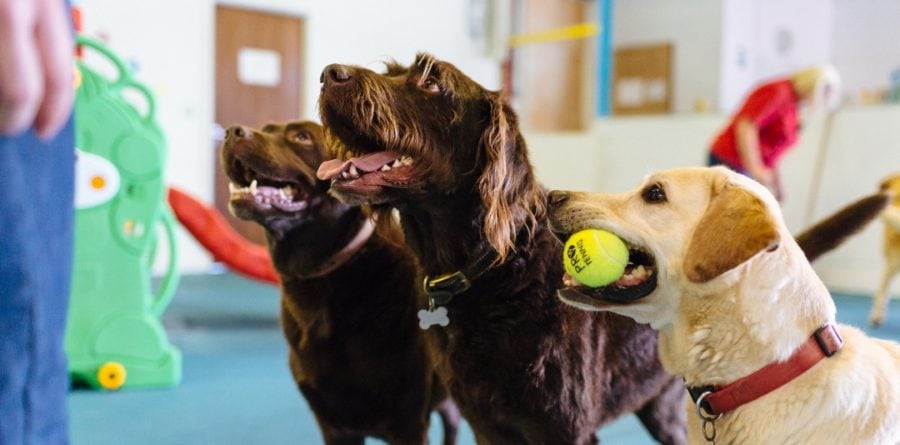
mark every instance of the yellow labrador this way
{"type": "Point", "coordinates": [891, 217]}
{"type": "Point", "coordinates": [736, 304]}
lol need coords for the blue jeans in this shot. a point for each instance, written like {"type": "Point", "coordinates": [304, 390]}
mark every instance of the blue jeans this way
{"type": "Point", "coordinates": [36, 218]}
{"type": "Point", "coordinates": [714, 160]}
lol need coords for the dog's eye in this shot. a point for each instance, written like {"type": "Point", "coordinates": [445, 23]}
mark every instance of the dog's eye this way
{"type": "Point", "coordinates": [432, 86]}
{"type": "Point", "coordinates": [654, 193]}
{"type": "Point", "coordinates": [299, 137]}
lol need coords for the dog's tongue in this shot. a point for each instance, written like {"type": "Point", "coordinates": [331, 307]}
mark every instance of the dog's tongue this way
{"type": "Point", "coordinates": [368, 163]}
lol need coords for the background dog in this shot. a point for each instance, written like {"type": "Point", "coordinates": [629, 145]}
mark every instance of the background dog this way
{"type": "Point", "coordinates": [891, 217]}
{"type": "Point", "coordinates": [447, 154]}
{"type": "Point", "coordinates": [733, 294]}
{"type": "Point", "coordinates": [348, 295]}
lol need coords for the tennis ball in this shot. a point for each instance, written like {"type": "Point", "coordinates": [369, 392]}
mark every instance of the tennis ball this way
{"type": "Point", "coordinates": [595, 257]}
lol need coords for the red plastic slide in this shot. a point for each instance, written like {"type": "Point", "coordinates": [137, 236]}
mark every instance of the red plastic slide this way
{"type": "Point", "coordinates": [214, 233]}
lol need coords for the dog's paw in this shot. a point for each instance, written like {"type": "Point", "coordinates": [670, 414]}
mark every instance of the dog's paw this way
{"type": "Point", "coordinates": [428, 318]}
{"type": "Point", "coordinates": [876, 320]}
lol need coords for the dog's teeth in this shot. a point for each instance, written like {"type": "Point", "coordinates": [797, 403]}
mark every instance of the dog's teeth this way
{"type": "Point", "coordinates": [568, 281]}
{"type": "Point", "coordinates": [353, 171]}
{"type": "Point", "coordinates": [396, 163]}
{"type": "Point", "coordinates": [253, 187]}
{"type": "Point", "coordinates": [386, 167]}
{"type": "Point", "coordinates": [232, 188]}
{"type": "Point", "coordinates": [406, 160]}
{"type": "Point", "coordinates": [345, 175]}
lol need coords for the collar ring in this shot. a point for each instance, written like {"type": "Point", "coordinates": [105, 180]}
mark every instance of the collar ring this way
{"type": "Point", "coordinates": [702, 412]}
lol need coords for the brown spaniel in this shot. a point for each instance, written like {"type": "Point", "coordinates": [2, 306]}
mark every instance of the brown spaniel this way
{"type": "Point", "coordinates": [446, 153]}
{"type": "Point", "coordinates": [348, 295]}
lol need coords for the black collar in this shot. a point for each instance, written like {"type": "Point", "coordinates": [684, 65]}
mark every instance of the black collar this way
{"type": "Point", "coordinates": [441, 289]}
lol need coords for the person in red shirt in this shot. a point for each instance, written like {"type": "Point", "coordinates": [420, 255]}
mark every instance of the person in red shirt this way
{"type": "Point", "coordinates": [766, 125]}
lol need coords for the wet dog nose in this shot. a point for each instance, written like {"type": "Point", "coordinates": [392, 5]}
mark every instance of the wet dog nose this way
{"type": "Point", "coordinates": [238, 132]}
{"type": "Point", "coordinates": [335, 74]}
{"type": "Point", "coordinates": [557, 198]}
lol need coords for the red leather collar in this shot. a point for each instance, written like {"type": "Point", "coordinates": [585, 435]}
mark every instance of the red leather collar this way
{"type": "Point", "coordinates": [825, 342]}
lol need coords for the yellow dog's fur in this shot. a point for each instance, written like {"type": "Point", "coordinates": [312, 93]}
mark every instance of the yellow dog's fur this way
{"type": "Point", "coordinates": [891, 217]}
{"type": "Point", "coordinates": [735, 293]}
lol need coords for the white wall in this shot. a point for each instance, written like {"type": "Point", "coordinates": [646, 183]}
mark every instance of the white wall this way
{"type": "Point", "coordinates": [863, 150]}
{"type": "Point", "coordinates": [171, 43]}
{"type": "Point", "coordinates": [834, 164]}
{"type": "Point", "coordinates": [694, 27]}
{"type": "Point", "coordinates": [617, 153]}
{"type": "Point", "coordinates": [866, 40]}
{"type": "Point", "coordinates": [724, 47]}
{"type": "Point", "coordinates": [758, 44]}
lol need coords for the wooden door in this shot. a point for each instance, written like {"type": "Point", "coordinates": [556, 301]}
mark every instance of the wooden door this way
{"type": "Point", "coordinates": [258, 80]}
{"type": "Point", "coordinates": [551, 94]}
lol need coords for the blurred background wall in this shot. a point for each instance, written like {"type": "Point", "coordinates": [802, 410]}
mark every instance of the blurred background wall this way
{"type": "Point", "coordinates": [716, 49]}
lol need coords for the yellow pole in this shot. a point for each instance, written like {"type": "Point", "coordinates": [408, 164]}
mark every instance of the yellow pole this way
{"type": "Point", "coordinates": [573, 32]}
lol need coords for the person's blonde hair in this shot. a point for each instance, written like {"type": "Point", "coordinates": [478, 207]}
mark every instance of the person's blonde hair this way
{"type": "Point", "coordinates": [818, 85]}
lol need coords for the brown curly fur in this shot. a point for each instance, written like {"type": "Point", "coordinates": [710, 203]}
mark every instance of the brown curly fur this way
{"type": "Point", "coordinates": [356, 351]}
{"type": "Point", "coordinates": [523, 367]}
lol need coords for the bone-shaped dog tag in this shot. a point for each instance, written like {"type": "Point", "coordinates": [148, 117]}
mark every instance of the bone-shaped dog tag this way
{"type": "Point", "coordinates": [429, 318]}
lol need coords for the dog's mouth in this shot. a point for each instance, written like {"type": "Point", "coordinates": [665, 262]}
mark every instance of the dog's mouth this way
{"type": "Point", "coordinates": [371, 170]}
{"type": "Point", "coordinates": [638, 281]}
{"type": "Point", "coordinates": [251, 189]}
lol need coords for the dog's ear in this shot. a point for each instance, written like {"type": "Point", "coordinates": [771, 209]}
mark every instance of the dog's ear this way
{"type": "Point", "coordinates": [508, 191]}
{"type": "Point", "coordinates": [735, 227]}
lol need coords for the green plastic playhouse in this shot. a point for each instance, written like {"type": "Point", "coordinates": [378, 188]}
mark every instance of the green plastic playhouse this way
{"type": "Point", "coordinates": [114, 337]}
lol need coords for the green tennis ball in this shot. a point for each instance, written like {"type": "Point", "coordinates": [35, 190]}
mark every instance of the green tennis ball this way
{"type": "Point", "coordinates": [595, 257]}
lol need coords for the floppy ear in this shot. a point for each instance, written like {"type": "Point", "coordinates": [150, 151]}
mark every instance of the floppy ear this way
{"type": "Point", "coordinates": [509, 194]}
{"type": "Point", "coordinates": [735, 227]}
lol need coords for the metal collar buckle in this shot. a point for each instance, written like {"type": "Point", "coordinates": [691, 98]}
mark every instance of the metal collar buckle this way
{"type": "Point", "coordinates": [443, 288]}
{"type": "Point", "coordinates": [829, 339]}
{"type": "Point", "coordinates": [709, 420]}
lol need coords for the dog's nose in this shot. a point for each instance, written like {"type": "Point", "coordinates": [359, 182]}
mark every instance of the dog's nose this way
{"type": "Point", "coordinates": [238, 132]}
{"type": "Point", "coordinates": [557, 198]}
{"type": "Point", "coordinates": [335, 74]}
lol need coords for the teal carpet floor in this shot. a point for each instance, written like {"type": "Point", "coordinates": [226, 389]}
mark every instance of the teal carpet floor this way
{"type": "Point", "coordinates": [236, 387]}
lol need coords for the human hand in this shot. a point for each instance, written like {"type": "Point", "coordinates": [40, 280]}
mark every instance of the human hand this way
{"type": "Point", "coordinates": [763, 176]}
{"type": "Point", "coordinates": [778, 192]}
{"type": "Point", "coordinates": [36, 66]}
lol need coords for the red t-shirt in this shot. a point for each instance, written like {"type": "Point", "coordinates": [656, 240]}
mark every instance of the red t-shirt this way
{"type": "Point", "coordinates": [773, 108]}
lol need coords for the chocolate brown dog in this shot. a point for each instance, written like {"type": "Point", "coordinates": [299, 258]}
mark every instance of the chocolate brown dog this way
{"type": "Point", "coordinates": [524, 368]}
{"type": "Point", "coordinates": [348, 297]}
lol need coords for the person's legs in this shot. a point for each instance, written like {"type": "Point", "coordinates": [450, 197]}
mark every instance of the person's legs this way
{"type": "Point", "coordinates": [36, 218]}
